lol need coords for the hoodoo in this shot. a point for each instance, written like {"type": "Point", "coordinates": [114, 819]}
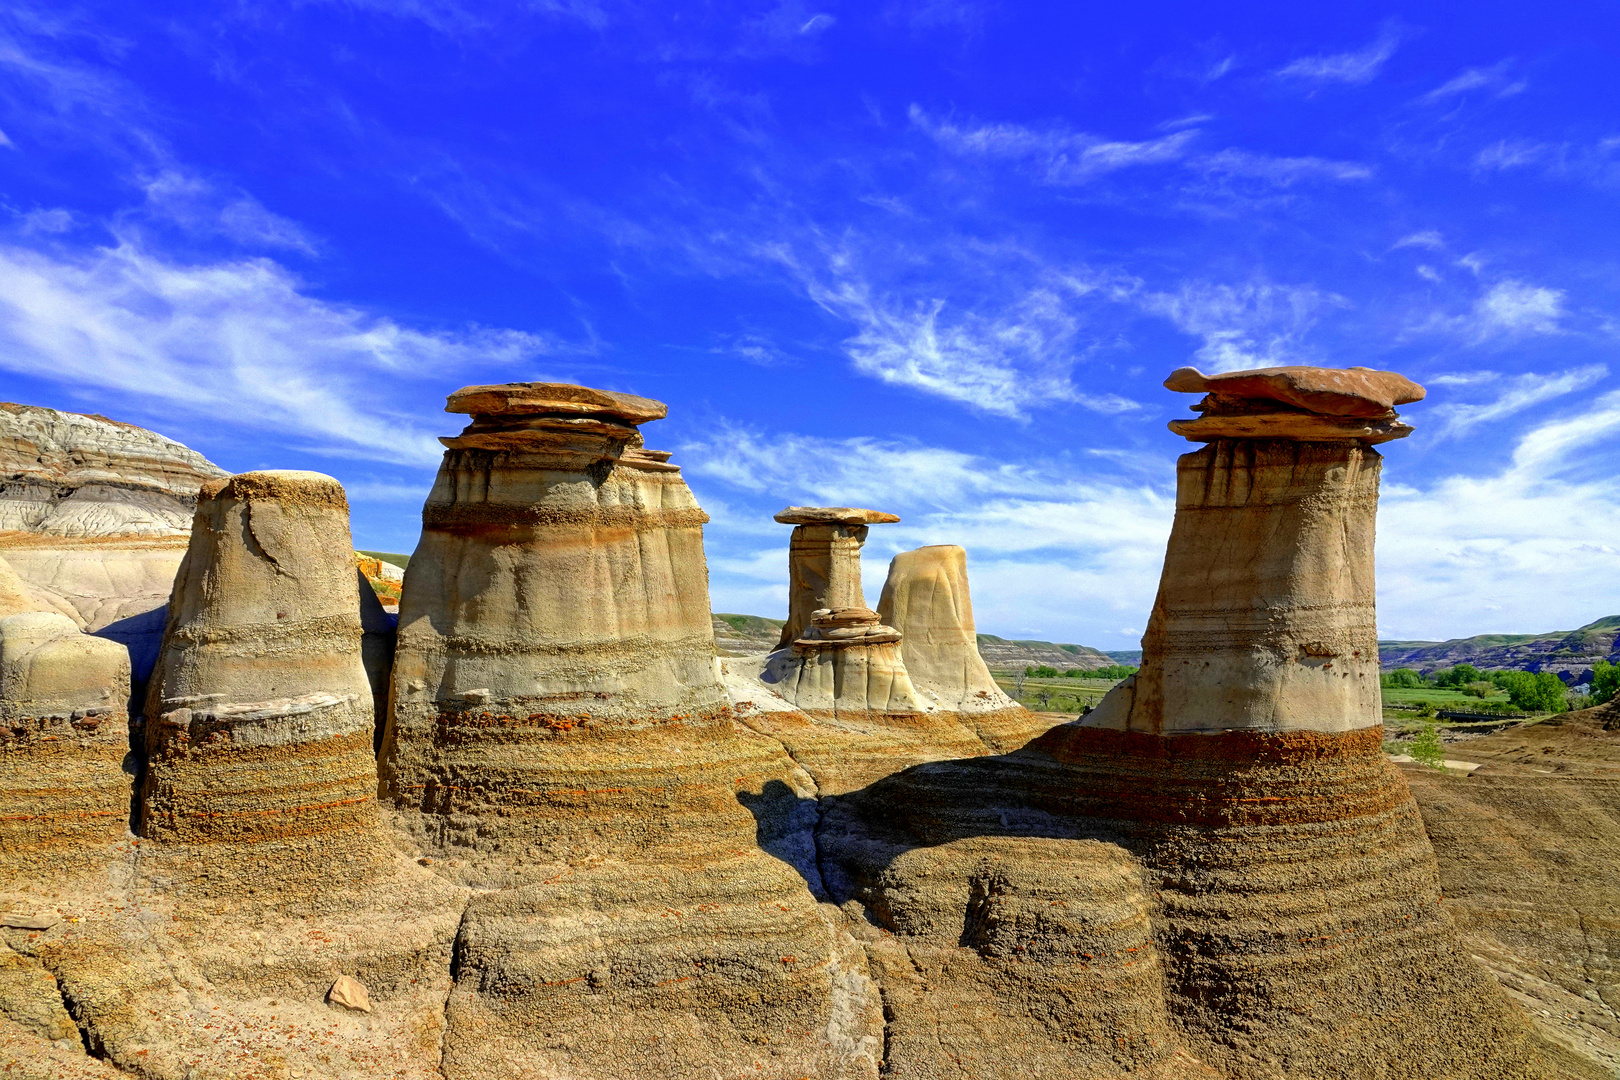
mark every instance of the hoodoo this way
{"type": "Point", "coordinates": [1292, 903]}
{"type": "Point", "coordinates": [836, 658]}
{"type": "Point", "coordinates": [824, 561]}
{"type": "Point", "coordinates": [926, 599]}
{"type": "Point", "coordinates": [260, 715]}
{"type": "Point", "coordinates": [560, 734]}
{"type": "Point", "coordinates": [64, 737]}
{"type": "Point", "coordinates": [1264, 619]}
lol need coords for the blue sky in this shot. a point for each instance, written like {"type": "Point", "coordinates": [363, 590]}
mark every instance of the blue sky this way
{"type": "Point", "coordinates": [933, 257]}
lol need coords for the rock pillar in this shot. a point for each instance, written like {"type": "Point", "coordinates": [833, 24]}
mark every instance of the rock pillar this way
{"type": "Point", "coordinates": [926, 599]}
{"type": "Point", "coordinates": [259, 714]}
{"type": "Point", "coordinates": [1264, 619]}
{"type": "Point", "coordinates": [559, 585]}
{"type": "Point", "coordinates": [64, 737]}
{"type": "Point", "coordinates": [824, 561]}
{"type": "Point", "coordinates": [559, 736]}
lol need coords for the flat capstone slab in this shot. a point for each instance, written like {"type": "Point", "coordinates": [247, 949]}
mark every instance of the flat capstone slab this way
{"type": "Point", "coordinates": [1357, 391]}
{"type": "Point", "coordinates": [834, 515]}
{"type": "Point", "coordinates": [536, 398]}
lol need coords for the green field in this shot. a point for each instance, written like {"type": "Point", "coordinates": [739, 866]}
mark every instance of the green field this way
{"type": "Point", "coordinates": [401, 561]}
{"type": "Point", "coordinates": [1064, 695]}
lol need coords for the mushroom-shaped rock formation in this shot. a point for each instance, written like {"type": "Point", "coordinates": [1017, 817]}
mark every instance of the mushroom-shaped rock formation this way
{"type": "Point", "coordinates": [559, 735]}
{"type": "Point", "coordinates": [1291, 903]}
{"type": "Point", "coordinates": [64, 737]}
{"type": "Point", "coordinates": [926, 599]}
{"type": "Point", "coordinates": [259, 714]}
{"type": "Point", "coordinates": [835, 658]}
{"type": "Point", "coordinates": [1264, 619]}
{"type": "Point", "coordinates": [824, 561]}
{"type": "Point", "coordinates": [838, 695]}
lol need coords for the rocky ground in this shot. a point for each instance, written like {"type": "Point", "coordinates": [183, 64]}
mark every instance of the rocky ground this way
{"type": "Point", "coordinates": [1528, 845]}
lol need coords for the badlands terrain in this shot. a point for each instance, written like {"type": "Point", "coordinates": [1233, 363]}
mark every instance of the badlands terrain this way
{"type": "Point", "coordinates": [555, 818]}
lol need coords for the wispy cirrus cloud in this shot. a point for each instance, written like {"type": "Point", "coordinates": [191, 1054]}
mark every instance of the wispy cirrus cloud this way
{"type": "Point", "coordinates": [1280, 171]}
{"type": "Point", "coordinates": [1002, 335]}
{"type": "Point", "coordinates": [1059, 156]}
{"type": "Point", "coordinates": [202, 208]}
{"type": "Point", "coordinates": [1496, 78]}
{"type": "Point", "coordinates": [1355, 67]}
{"type": "Point", "coordinates": [1259, 324]}
{"type": "Point", "coordinates": [1517, 394]}
{"type": "Point", "coordinates": [1424, 238]}
{"type": "Point", "coordinates": [1508, 310]}
{"type": "Point", "coordinates": [240, 340]}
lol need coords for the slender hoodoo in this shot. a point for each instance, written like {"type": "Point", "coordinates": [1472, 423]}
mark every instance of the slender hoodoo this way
{"type": "Point", "coordinates": [259, 713]}
{"type": "Point", "coordinates": [824, 562]}
{"type": "Point", "coordinates": [836, 658]}
{"type": "Point", "coordinates": [560, 735]}
{"type": "Point", "coordinates": [1264, 619]}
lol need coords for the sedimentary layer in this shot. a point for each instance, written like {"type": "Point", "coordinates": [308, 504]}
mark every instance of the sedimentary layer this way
{"type": "Point", "coordinates": [259, 716]}
{"type": "Point", "coordinates": [1289, 886]}
{"type": "Point", "coordinates": [560, 736]}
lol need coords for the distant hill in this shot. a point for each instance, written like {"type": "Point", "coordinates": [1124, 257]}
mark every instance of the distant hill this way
{"type": "Point", "coordinates": [739, 635]}
{"type": "Point", "coordinates": [1001, 654]}
{"type": "Point", "coordinates": [1572, 651]}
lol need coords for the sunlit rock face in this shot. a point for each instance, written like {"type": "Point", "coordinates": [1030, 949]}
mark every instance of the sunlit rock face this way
{"type": "Point", "coordinates": [64, 741]}
{"type": "Point", "coordinates": [207, 945]}
{"type": "Point", "coordinates": [1290, 901]}
{"type": "Point", "coordinates": [1264, 619]}
{"type": "Point", "coordinates": [259, 716]}
{"type": "Point", "coordinates": [95, 516]}
{"type": "Point", "coordinates": [561, 737]}
{"type": "Point", "coordinates": [927, 600]}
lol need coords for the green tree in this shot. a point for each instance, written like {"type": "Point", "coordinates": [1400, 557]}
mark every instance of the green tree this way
{"type": "Point", "coordinates": [1041, 672]}
{"type": "Point", "coordinates": [1427, 748]}
{"type": "Point", "coordinates": [1113, 671]}
{"type": "Point", "coordinates": [1401, 679]}
{"type": "Point", "coordinates": [1540, 691]}
{"type": "Point", "coordinates": [1605, 681]}
{"type": "Point", "coordinates": [1459, 676]}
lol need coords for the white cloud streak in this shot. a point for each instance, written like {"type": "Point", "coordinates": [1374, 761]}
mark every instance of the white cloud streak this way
{"type": "Point", "coordinates": [1360, 66]}
{"type": "Point", "coordinates": [1060, 157]}
{"type": "Point", "coordinates": [1480, 553]}
{"type": "Point", "coordinates": [1280, 171]}
{"type": "Point", "coordinates": [1517, 394]}
{"type": "Point", "coordinates": [1245, 326]}
{"type": "Point", "coordinates": [236, 341]}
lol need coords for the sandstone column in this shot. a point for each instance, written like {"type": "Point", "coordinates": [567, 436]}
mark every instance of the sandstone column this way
{"type": "Point", "coordinates": [926, 599]}
{"type": "Point", "coordinates": [559, 735]}
{"type": "Point", "coordinates": [1264, 619]}
{"type": "Point", "coordinates": [64, 738]}
{"type": "Point", "coordinates": [260, 715]}
{"type": "Point", "coordinates": [824, 561]}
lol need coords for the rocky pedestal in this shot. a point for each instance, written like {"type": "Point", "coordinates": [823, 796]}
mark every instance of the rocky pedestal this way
{"type": "Point", "coordinates": [1291, 905]}
{"type": "Point", "coordinates": [560, 737]}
